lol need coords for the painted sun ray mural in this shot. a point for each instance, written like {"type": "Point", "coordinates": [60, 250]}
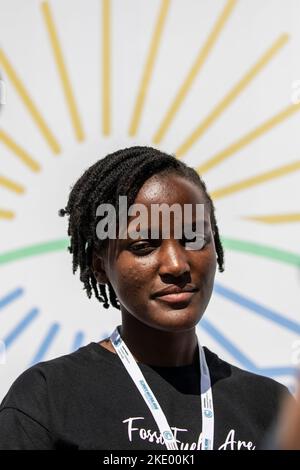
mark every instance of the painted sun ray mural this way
{"type": "Point", "coordinates": [243, 359]}
{"type": "Point", "coordinates": [10, 297]}
{"type": "Point", "coordinates": [14, 334]}
{"type": "Point", "coordinates": [45, 344]}
{"type": "Point", "coordinates": [22, 253]}
{"type": "Point", "coordinates": [34, 112]}
{"type": "Point", "coordinates": [193, 72]}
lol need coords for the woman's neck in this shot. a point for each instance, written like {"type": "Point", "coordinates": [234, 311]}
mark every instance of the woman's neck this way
{"type": "Point", "coordinates": [156, 347]}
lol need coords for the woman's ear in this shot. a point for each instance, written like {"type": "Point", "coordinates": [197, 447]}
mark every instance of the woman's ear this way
{"type": "Point", "coordinates": [98, 268]}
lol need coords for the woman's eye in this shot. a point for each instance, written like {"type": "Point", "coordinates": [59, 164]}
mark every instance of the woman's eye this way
{"type": "Point", "coordinates": [147, 247]}
{"type": "Point", "coordinates": [140, 247]}
{"type": "Point", "coordinates": [200, 239]}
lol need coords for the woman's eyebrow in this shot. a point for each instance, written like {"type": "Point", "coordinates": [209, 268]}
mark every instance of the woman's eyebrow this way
{"type": "Point", "coordinates": [146, 232]}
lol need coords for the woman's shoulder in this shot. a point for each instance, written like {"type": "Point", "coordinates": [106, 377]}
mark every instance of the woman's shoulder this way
{"type": "Point", "coordinates": [57, 375]}
{"type": "Point", "coordinates": [225, 374]}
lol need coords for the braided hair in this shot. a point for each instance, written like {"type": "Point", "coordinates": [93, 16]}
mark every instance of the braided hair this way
{"type": "Point", "coordinates": [121, 173]}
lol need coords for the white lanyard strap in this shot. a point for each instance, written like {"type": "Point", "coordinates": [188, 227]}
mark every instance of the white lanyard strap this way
{"type": "Point", "coordinates": [207, 407]}
{"type": "Point", "coordinates": [138, 378]}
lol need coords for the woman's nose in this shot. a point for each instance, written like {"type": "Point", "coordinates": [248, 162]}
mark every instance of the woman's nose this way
{"type": "Point", "coordinates": [173, 258]}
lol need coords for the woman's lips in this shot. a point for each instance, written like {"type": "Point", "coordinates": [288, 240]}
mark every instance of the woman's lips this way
{"type": "Point", "coordinates": [175, 298]}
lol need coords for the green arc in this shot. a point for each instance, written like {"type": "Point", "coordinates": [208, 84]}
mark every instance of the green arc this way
{"type": "Point", "coordinates": [242, 246]}
{"type": "Point", "coordinates": [264, 251]}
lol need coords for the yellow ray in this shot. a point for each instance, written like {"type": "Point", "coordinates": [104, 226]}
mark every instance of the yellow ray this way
{"type": "Point", "coordinates": [196, 67]}
{"type": "Point", "coordinates": [11, 185]}
{"type": "Point", "coordinates": [106, 71]}
{"type": "Point", "coordinates": [232, 94]}
{"type": "Point", "coordinates": [4, 214]}
{"type": "Point", "coordinates": [66, 84]}
{"type": "Point", "coordinates": [140, 100]}
{"type": "Point", "coordinates": [255, 180]}
{"type": "Point", "coordinates": [19, 151]}
{"type": "Point", "coordinates": [31, 107]}
{"type": "Point", "coordinates": [275, 218]}
{"type": "Point", "coordinates": [248, 138]}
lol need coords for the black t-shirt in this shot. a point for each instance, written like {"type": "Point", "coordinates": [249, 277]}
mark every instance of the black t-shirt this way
{"type": "Point", "coordinates": [87, 400]}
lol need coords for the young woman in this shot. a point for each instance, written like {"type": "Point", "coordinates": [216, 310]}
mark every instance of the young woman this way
{"type": "Point", "coordinates": [150, 385]}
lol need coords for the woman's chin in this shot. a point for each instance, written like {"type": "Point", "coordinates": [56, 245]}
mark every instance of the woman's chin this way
{"type": "Point", "coordinates": [175, 319]}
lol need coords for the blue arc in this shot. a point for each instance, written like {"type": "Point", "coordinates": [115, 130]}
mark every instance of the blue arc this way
{"type": "Point", "coordinates": [257, 308]}
{"type": "Point", "coordinates": [78, 340]}
{"type": "Point", "coordinates": [241, 357]}
{"type": "Point", "coordinates": [46, 343]}
{"type": "Point", "coordinates": [15, 294]}
{"type": "Point", "coordinates": [20, 327]}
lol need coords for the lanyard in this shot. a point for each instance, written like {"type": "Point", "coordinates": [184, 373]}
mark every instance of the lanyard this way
{"type": "Point", "coordinates": [138, 378]}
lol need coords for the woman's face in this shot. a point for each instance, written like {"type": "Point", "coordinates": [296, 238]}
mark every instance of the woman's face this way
{"type": "Point", "coordinates": [138, 268]}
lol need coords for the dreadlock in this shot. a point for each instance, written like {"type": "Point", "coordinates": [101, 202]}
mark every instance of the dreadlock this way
{"type": "Point", "coordinates": [121, 173]}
